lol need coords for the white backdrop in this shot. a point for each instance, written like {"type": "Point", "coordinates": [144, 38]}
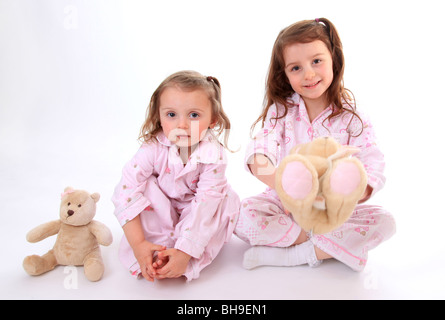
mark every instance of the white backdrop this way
{"type": "Point", "coordinates": [76, 77]}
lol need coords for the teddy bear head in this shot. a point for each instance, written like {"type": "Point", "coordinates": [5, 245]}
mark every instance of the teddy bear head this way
{"type": "Point", "coordinates": [78, 207]}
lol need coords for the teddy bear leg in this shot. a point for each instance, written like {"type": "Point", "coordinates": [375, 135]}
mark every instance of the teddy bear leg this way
{"type": "Point", "coordinates": [343, 188]}
{"type": "Point", "coordinates": [94, 266]}
{"type": "Point", "coordinates": [36, 265]}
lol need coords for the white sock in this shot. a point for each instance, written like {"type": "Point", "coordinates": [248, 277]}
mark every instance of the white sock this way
{"type": "Point", "coordinates": [285, 257]}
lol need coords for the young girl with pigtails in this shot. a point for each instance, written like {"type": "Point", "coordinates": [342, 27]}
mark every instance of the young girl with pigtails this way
{"type": "Point", "coordinates": [173, 201]}
{"type": "Point", "coordinates": [305, 99]}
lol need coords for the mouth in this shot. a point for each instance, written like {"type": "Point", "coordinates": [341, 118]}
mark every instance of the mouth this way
{"type": "Point", "coordinates": [312, 85]}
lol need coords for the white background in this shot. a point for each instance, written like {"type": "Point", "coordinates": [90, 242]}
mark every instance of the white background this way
{"type": "Point", "coordinates": [75, 80]}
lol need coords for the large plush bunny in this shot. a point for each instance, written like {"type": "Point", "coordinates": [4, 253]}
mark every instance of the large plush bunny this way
{"type": "Point", "coordinates": [320, 184]}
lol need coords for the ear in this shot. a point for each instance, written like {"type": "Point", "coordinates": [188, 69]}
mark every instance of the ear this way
{"type": "Point", "coordinates": [95, 196]}
{"type": "Point", "coordinates": [68, 189]}
{"type": "Point", "coordinates": [295, 149]}
{"type": "Point", "coordinates": [345, 151]}
{"type": "Point", "coordinates": [213, 124]}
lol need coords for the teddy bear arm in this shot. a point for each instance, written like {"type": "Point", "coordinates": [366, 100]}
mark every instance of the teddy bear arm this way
{"type": "Point", "coordinates": [101, 232]}
{"type": "Point", "coordinates": [43, 231]}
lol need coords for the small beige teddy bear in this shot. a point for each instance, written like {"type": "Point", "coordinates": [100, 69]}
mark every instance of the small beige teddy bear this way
{"type": "Point", "coordinates": [78, 237]}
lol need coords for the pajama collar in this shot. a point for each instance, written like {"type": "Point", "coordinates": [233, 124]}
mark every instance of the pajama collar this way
{"type": "Point", "coordinates": [209, 150]}
{"type": "Point", "coordinates": [302, 111]}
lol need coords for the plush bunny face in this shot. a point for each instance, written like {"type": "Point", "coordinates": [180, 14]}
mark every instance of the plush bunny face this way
{"type": "Point", "coordinates": [78, 207]}
{"type": "Point", "coordinates": [323, 147]}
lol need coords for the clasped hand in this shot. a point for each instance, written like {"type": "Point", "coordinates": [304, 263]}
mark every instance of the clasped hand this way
{"type": "Point", "coordinates": [158, 262]}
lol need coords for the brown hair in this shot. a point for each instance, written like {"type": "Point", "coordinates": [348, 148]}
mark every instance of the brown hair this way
{"type": "Point", "coordinates": [278, 88]}
{"type": "Point", "coordinates": [186, 80]}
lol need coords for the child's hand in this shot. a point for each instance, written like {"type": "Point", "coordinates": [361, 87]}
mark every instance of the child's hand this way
{"type": "Point", "coordinates": [367, 194]}
{"type": "Point", "coordinates": [143, 252]}
{"type": "Point", "coordinates": [171, 263]}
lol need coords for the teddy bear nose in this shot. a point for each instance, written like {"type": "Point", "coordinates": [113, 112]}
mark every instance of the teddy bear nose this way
{"type": "Point", "coordinates": [70, 212]}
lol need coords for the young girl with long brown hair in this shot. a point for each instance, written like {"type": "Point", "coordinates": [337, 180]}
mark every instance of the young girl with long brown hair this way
{"type": "Point", "coordinates": [305, 99]}
{"type": "Point", "coordinates": [173, 201]}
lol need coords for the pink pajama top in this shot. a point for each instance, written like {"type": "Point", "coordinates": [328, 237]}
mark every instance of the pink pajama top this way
{"type": "Point", "coordinates": [277, 138]}
{"type": "Point", "coordinates": [200, 185]}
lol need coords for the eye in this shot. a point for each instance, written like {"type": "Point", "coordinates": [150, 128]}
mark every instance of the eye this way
{"type": "Point", "coordinates": [171, 114]}
{"type": "Point", "coordinates": [296, 68]}
{"type": "Point", "coordinates": [79, 205]}
{"type": "Point", "coordinates": [69, 203]}
{"type": "Point", "coordinates": [316, 61]}
{"type": "Point", "coordinates": [194, 115]}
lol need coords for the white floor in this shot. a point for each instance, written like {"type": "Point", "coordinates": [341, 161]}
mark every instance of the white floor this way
{"type": "Point", "coordinates": [408, 266]}
{"type": "Point", "coordinates": [226, 279]}
{"type": "Point", "coordinates": [75, 80]}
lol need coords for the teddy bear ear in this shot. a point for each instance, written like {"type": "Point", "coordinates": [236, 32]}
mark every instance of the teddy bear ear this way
{"type": "Point", "coordinates": [95, 197]}
{"type": "Point", "coordinates": [68, 189]}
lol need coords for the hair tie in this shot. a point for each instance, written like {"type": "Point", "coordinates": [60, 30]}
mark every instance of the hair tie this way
{"type": "Point", "coordinates": [214, 80]}
{"type": "Point", "coordinates": [317, 20]}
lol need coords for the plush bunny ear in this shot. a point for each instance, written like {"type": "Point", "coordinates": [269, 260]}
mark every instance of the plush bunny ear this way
{"type": "Point", "coordinates": [95, 197]}
{"type": "Point", "coordinates": [343, 152]}
{"type": "Point", "coordinates": [295, 149]}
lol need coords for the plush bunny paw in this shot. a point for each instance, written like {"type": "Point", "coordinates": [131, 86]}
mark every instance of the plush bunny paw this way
{"type": "Point", "coordinates": [297, 183]}
{"type": "Point", "coordinates": [342, 189]}
{"type": "Point", "coordinates": [297, 180]}
{"type": "Point", "coordinates": [345, 178]}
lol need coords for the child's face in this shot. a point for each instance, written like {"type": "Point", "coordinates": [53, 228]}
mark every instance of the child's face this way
{"type": "Point", "coordinates": [185, 115]}
{"type": "Point", "coordinates": [308, 67]}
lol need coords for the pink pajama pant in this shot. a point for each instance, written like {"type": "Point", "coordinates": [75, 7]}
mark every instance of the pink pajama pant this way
{"type": "Point", "coordinates": [262, 221]}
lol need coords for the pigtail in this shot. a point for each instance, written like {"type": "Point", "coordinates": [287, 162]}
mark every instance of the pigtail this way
{"type": "Point", "coordinates": [214, 80]}
{"type": "Point", "coordinates": [336, 46]}
{"type": "Point", "coordinates": [342, 99]}
{"type": "Point", "coordinates": [222, 119]}
{"type": "Point", "coordinates": [152, 124]}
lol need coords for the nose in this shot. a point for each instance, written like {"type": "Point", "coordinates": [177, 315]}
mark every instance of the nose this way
{"type": "Point", "coordinates": [70, 212]}
{"type": "Point", "coordinates": [183, 123]}
{"type": "Point", "coordinates": [309, 74]}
